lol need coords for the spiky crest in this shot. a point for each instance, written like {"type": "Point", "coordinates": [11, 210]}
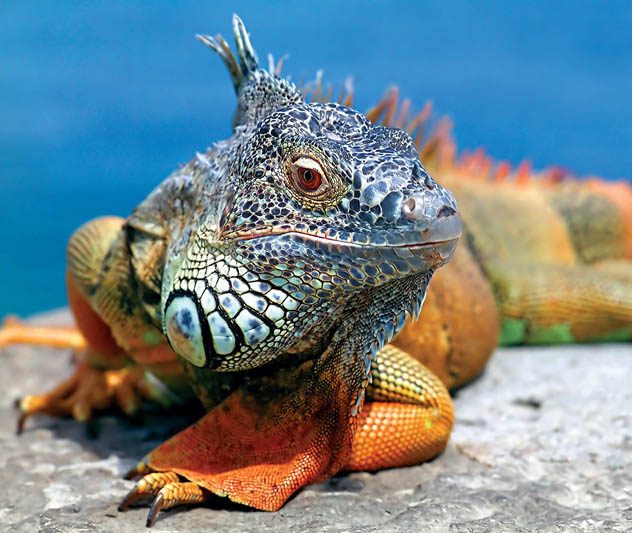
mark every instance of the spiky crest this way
{"type": "Point", "coordinates": [437, 147]}
{"type": "Point", "coordinates": [259, 91]}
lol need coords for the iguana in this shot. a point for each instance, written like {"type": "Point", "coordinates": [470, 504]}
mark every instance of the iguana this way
{"type": "Point", "coordinates": [270, 276]}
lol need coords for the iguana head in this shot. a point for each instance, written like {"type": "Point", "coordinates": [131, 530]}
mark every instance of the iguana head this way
{"type": "Point", "coordinates": [316, 212]}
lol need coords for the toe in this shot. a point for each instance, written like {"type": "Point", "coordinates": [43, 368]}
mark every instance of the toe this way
{"type": "Point", "coordinates": [172, 494]}
{"type": "Point", "coordinates": [148, 485]}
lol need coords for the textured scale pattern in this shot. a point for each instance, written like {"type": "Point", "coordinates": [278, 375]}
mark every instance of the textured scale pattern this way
{"type": "Point", "coordinates": [266, 263]}
{"type": "Point", "coordinates": [278, 278]}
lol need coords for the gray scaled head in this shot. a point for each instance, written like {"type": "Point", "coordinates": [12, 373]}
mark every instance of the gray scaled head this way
{"type": "Point", "coordinates": [306, 209]}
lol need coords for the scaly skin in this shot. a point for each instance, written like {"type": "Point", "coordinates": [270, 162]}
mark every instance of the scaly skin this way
{"type": "Point", "coordinates": [274, 269]}
{"type": "Point", "coordinates": [553, 252]}
{"type": "Point", "coordinates": [272, 298]}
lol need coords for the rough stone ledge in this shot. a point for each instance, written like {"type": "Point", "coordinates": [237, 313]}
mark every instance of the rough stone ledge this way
{"type": "Point", "coordinates": [543, 441]}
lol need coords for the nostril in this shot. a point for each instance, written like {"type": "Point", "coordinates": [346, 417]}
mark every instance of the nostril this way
{"type": "Point", "coordinates": [446, 211]}
{"type": "Point", "coordinates": [413, 208]}
{"type": "Point", "coordinates": [409, 205]}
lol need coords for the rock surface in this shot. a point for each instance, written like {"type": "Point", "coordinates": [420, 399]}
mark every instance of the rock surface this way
{"type": "Point", "coordinates": [543, 441]}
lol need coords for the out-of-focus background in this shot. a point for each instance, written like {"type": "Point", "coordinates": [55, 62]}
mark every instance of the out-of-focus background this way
{"type": "Point", "coordinates": [101, 100]}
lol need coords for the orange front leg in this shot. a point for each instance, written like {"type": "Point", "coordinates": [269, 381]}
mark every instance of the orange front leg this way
{"type": "Point", "coordinates": [408, 416]}
{"type": "Point", "coordinates": [258, 448]}
{"type": "Point", "coordinates": [270, 437]}
{"type": "Point", "coordinates": [86, 391]}
{"type": "Point", "coordinates": [121, 358]}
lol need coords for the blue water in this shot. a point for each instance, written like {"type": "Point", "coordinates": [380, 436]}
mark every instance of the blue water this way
{"type": "Point", "coordinates": [101, 100]}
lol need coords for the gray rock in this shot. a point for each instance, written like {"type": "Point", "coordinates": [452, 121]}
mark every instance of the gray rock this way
{"type": "Point", "coordinates": [543, 441]}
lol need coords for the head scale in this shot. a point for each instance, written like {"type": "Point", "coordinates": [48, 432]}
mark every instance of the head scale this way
{"type": "Point", "coordinates": [305, 216]}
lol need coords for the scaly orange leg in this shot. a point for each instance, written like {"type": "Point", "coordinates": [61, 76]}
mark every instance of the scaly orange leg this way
{"type": "Point", "coordinates": [252, 457]}
{"type": "Point", "coordinates": [407, 418]}
{"type": "Point", "coordinates": [266, 440]}
{"type": "Point", "coordinates": [258, 452]}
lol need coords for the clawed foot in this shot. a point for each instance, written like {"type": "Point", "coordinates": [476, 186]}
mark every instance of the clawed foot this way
{"type": "Point", "coordinates": [166, 488]}
{"type": "Point", "coordinates": [86, 391]}
{"type": "Point", "coordinates": [254, 457]}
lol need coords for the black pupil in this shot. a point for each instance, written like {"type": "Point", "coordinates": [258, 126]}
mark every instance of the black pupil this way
{"type": "Point", "coordinates": [307, 175]}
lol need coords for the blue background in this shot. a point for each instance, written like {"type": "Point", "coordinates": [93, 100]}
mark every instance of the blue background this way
{"type": "Point", "coordinates": [101, 100]}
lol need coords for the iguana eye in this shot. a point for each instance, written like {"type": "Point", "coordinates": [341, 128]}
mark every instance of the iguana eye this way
{"type": "Point", "coordinates": [308, 177]}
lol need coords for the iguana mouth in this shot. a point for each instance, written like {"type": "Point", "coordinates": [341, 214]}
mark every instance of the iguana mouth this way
{"type": "Point", "coordinates": [441, 232]}
{"type": "Point", "coordinates": [346, 244]}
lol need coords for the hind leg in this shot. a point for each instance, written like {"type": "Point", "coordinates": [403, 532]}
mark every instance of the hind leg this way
{"type": "Point", "coordinates": [546, 304]}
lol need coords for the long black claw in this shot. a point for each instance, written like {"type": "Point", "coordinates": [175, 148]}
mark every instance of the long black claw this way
{"type": "Point", "coordinates": [20, 423]}
{"type": "Point", "coordinates": [132, 497]}
{"type": "Point", "coordinates": [92, 428]}
{"type": "Point", "coordinates": [156, 507]}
